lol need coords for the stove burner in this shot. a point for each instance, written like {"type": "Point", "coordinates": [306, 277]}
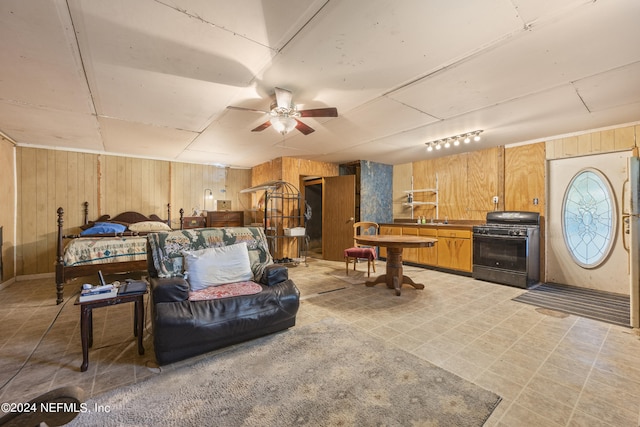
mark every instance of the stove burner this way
{"type": "Point", "coordinates": [509, 223]}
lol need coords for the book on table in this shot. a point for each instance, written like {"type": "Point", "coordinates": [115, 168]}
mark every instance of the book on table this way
{"type": "Point", "coordinates": [98, 295]}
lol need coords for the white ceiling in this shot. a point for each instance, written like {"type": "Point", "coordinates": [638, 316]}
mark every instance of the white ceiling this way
{"type": "Point", "coordinates": [153, 78]}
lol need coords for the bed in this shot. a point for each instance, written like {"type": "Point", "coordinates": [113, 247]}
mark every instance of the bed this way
{"type": "Point", "coordinates": [112, 245]}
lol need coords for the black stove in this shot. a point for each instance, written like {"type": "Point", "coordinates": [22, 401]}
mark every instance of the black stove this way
{"type": "Point", "coordinates": [506, 249]}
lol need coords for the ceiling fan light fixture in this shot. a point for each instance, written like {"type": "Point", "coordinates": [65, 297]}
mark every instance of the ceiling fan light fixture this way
{"type": "Point", "coordinates": [284, 114]}
{"type": "Point", "coordinates": [283, 124]}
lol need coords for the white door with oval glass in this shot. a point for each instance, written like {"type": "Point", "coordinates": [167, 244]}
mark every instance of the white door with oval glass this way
{"type": "Point", "coordinates": [585, 236]}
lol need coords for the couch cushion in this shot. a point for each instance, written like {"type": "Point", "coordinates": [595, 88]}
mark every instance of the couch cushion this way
{"type": "Point", "coordinates": [217, 266]}
{"type": "Point", "coordinates": [225, 291]}
{"type": "Point", "coordinates": [166, 247]}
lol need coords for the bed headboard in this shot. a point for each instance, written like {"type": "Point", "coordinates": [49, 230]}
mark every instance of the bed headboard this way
{"type": "Point", "coordinates": [129, 217]}
{"type": "Point", "coordinates": [123, 218]}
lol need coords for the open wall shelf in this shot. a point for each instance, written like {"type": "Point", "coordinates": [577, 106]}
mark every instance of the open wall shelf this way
{"type": "Point", "coordinates": [411, 202]}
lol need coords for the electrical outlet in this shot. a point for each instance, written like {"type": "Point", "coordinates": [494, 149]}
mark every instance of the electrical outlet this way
{"type": "Point", "coordinates": [495, 200]}
{"type": "Point", "coordinates": [535, 201]}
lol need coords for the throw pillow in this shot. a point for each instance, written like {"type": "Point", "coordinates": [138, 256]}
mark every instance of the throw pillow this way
{"type": "Point", "coordinates": [217, 266]}
{"type": "Point", "coordinates": [148, 226]}
{"type": "Point", "coordinates": [104, 228]}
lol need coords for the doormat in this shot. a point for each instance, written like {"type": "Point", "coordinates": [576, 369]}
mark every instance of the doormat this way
{"type": "Point", "coordinates": [593, 304]}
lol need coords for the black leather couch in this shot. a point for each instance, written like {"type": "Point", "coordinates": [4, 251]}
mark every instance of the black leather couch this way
{"type": "Point", "coordinates": [183, 328]}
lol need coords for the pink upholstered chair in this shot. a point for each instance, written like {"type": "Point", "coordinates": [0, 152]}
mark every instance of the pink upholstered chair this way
{"type": "Point", "coordinates": [359, 251]}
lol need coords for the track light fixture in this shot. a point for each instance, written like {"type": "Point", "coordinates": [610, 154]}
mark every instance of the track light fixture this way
{"type": "Point", "coordinates": [455, 140]}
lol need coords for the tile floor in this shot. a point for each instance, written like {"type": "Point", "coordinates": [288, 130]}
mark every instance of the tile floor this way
{"type": "Point", "coordinates": [551, 369]}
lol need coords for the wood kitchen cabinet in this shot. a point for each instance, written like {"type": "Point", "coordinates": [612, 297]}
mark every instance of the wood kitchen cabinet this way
{"type": "Point", "coordinates": [454, 249]}
{"type": "Point", "coordinates": [410, 254]}
{"type": "Point", "coordinates": [428, 256]}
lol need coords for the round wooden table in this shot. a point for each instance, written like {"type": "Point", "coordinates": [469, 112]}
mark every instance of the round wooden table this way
{"type": "Point", "coordinates": [394, 278]}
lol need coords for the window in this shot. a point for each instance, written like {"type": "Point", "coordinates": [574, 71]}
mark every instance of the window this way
{"type": "Point", "coordinates": [588, 218]}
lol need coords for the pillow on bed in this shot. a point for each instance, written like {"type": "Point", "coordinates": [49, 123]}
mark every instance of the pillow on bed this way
{"type": "Point", "coordinates": [217, 266]}
{"type": "Point", "coordinates": [104, 228]}
{"type": "Point", "coordinates": [149, 226]}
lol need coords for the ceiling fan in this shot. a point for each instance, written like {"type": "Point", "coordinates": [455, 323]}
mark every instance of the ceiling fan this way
{"type": "Point", "coordinates": [284, 114]}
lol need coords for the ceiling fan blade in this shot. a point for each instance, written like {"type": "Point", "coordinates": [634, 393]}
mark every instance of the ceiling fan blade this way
{"type": "Point", "coordinates": [319, 112]}
{"type": "Point", "coordinates": [262, 126]}
{"type": "Point", "coordinates": [303, 128]}
{"type": "Point", "coordinates": [283, 98]}
{"type": "Point", "coordinates": [231, 107]}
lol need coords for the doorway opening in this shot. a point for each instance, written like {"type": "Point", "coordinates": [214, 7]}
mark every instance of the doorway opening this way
{"type": "Point", "coordinates": [313, 215]}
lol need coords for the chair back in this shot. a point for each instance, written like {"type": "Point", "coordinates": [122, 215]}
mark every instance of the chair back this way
{"type": "Point", "coordinates": [364, 228]}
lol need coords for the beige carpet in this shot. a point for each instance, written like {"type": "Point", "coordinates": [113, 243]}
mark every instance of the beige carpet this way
{"type": "Point", "coordinates": [322, 374]}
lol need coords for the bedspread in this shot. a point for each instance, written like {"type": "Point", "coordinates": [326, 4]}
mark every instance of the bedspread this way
{"type": "Point", "coordinates": [102, 250]}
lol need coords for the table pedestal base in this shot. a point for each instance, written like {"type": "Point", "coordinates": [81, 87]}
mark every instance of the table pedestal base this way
{"type": "Point", "coordinates": [394, 278]}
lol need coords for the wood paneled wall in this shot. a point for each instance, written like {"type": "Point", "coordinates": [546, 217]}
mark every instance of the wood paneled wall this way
{"type": "Point", "coordinates": [189, 182]}
{"type": "Point", "coordinates": [524, 178]}
{"type": "Point", "coordinates": [7, 211]}
{"type": "Point", "coordinates": [466, 184]}
{"type": "Point", "coordinates": [48, 179]}
{"type": "Point", "coordinates": [606, 141]}
{"type": "Point", "coordinates": [132, 184]}
{"type": "Point", "coordinates": [291, 170]}
{"type": "Point", "coordinates": [268, 171]}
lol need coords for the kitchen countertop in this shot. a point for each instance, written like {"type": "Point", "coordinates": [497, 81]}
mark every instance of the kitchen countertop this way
{"type": "Point", "coordinates": [440, 223]}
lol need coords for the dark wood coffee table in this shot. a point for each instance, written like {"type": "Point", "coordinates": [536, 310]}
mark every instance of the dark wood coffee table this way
{"type": "Point", "coordinates": [394, 277]}
{"type": "Point", "coordinates": [86, 320]}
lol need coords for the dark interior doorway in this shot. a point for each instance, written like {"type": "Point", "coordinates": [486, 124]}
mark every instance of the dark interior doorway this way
{"type": "Point", "coordinates": [313, 204]}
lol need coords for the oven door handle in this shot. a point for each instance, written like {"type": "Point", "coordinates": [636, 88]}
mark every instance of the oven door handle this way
{"type": "Point", "coordinates": [494, 237]}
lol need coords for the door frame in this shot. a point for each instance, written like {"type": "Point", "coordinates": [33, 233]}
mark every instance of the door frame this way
{"type": "Point", "coordinates": [633, 218]}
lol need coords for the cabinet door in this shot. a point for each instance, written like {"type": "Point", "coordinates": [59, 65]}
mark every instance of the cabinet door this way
{"type": "Point", "coordinates": [410, 254]}
{"type": "Point", "coordinates": [454, 253]}
{"type": "Point", "coordinates": [388, 230]}
{"type": "Point", "coordinates": [428, 256]}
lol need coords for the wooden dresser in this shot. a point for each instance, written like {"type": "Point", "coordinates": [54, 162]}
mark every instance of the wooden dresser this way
{"type": "Point", "coordinates": [225, 219]}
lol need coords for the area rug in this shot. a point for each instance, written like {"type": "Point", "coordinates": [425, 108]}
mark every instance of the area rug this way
{"type": "Point", "coordinates": [322, 374]}
{"type": "Point", "coordinates": [354, 277]}
{"type": "Point", "coordinates": [593, 304]}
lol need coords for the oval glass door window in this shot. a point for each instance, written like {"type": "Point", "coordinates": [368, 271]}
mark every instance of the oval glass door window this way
{"type": "Point", "coordinates": [588, 218]}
